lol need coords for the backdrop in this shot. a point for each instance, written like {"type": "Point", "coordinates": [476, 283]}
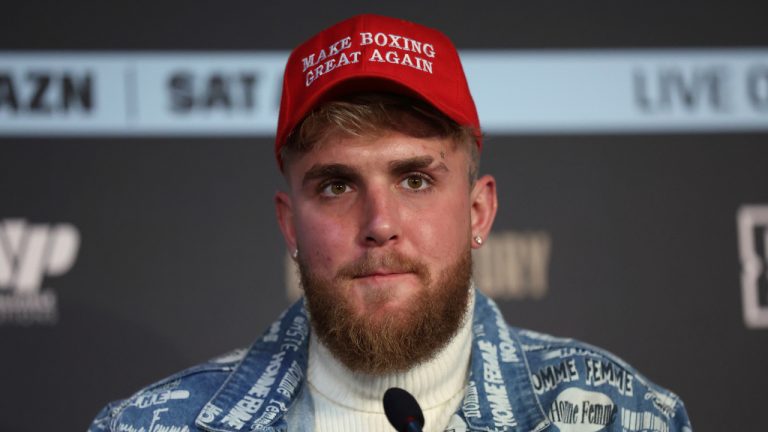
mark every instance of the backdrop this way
{"type": "Point", "coordinates": [137, 233]}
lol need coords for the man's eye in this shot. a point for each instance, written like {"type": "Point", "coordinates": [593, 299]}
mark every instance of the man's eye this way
{"type": "Point", "coordinates": [415, 183]}
{"type": "Point", "coordinates": [335, 189]}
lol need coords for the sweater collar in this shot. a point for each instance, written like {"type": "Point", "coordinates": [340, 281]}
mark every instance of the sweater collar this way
{"type": "Point", "coordinates": [432, 383]}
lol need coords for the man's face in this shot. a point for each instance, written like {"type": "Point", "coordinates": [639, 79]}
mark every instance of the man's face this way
{"type": "Point", "coordinates": [383, 227]}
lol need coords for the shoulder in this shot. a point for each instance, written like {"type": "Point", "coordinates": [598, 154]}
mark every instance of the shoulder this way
{"type": "Point", "coordinates": [578, 382]}
{"type": "Point", "coordinates": [172, 403]}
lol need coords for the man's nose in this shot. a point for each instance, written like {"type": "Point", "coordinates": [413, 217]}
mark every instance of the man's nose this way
{"type": "Point", "coordinates": [381, 216]}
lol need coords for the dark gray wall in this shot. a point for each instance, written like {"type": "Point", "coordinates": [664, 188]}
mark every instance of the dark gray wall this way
{"type": "Point", "coordinates": [179, 244]}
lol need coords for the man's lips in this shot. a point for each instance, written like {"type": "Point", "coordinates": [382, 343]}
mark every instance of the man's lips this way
{"type": "Point", "coordinates": [383, 274]}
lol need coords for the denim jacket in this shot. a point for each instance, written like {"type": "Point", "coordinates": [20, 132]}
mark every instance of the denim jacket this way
{"type": "Point", "coordinates": [519, 380]}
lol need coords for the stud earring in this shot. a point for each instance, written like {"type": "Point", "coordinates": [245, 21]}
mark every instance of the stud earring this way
{"type": "Point", "coordinates": [295, 253]}
{"type": "Point", "coordinates": [478, 240]}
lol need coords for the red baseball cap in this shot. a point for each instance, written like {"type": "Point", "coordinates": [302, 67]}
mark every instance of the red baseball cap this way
{"type": "Point", "coordinates": [374, 53]}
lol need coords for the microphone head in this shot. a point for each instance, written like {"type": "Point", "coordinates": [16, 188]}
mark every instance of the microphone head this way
{"type": "Point", "coordinates": [402, 409]}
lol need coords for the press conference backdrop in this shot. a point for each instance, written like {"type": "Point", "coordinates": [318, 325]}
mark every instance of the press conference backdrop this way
{"type": "Point", "coordinates": [137, 234]}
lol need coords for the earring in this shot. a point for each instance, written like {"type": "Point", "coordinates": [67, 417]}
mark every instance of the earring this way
{"type": "Point", "coordinates": [295, 253]}
{"type": "Point", "coordinates": [478, 240]}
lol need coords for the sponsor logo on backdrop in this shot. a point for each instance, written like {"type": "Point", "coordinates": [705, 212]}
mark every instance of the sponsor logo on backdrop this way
{"type": "Point", "coordinates": [514, 265]}
{"type": "Point", "coordinates": [41, 91]}
{"type": "Point", "coordinates": [700, 88]}
{"type": "Point", "coordinates": [752, 225]}
{"type": "Point", "coordinates": [28, 254]}
{"type": "Point", "coordinates": [510, 265]}
{"type": "Point", "coordinates": [223, 91]}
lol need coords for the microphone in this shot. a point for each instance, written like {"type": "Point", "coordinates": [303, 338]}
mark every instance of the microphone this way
{"type": "Point", "coordinates": [402, 410]}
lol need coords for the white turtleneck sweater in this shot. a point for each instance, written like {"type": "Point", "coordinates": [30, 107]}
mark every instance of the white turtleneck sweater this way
{"type": "Point", "coordinates": [350, 401]}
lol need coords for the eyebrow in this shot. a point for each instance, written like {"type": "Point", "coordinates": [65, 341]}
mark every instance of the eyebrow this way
{"type": "Point", "coordinates": [414, 164]}
{"type": "Point", "coordinates": [319, 171]}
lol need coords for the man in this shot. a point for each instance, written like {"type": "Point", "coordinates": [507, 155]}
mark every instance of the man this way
{"type": "Point", "coordinates": [378, 139]}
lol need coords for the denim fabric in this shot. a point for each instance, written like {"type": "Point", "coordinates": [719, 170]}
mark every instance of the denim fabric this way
{"type": "Point", "coordinates": [519, 380]}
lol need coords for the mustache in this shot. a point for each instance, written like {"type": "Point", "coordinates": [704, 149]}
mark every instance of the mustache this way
{"type": "Point", "coordinates": [392, 261]}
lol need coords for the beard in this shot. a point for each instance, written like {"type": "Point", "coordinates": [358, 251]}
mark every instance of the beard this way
{"type": "Point", "coordinates": [397, 341]}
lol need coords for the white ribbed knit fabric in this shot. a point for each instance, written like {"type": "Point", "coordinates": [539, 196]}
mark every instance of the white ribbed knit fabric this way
{"type": "Point", "coordinates": [347, 401]}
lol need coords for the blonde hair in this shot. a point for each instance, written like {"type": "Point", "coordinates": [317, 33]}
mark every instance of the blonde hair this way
{"type": "Point", "coordinates": [374, 115]}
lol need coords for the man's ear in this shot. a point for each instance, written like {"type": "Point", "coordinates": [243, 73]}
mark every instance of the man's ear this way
{"type": "Point", "coordinates": [483, 207]}
{"type": "Point", "coordinates": [284, 211]}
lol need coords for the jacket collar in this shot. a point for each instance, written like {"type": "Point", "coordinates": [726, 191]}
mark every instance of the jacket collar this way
{"type": "Point", "coordinates": [499, 395]}
{"type": "Point", "coordinates": [271, 376]}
